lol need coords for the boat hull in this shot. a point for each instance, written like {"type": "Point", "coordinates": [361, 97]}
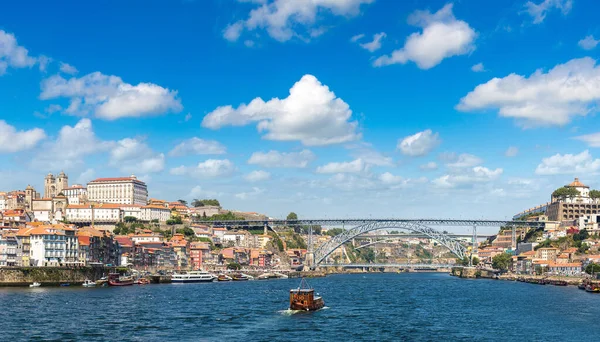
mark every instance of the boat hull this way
{"type": "Point", "coordinates": [183, 281]}
{"type": "Point", "coordinates": [120, 283]}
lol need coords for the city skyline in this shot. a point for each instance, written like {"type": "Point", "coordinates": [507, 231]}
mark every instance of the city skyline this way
{"type": "Point", "coordinates": [349, 109]}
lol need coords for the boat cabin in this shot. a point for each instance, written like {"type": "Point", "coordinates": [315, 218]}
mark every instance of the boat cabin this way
{"type": "Point", "coordinates": [304, 299]}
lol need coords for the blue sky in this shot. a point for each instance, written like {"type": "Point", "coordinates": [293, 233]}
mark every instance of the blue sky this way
{"type": "Point", "coordinates": [397, 108]}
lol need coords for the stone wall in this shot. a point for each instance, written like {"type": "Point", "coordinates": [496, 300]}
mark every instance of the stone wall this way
{"type": "Point", "coordinates": [23, 276]}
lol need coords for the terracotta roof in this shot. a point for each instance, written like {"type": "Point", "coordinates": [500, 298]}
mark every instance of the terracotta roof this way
{"type": "Point", "coordinates": [578, 184]}
{"type": "Point", "coordinates": [154, 206]}
{"type": "Point", "coordinates": [83, 240]}
{"type": "Point", "coordinates": [115, 179]}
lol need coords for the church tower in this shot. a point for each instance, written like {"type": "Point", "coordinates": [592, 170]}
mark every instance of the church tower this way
{"type": "Point", "coordinates": [29, 197]}
{"type": "Point", "coordinates": [62, 182]}
{"type": "Point", "coordinates": [49, 186]}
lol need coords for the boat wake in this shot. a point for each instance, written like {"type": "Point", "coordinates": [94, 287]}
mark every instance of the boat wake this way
{"type": "Point", "coordinates": [290, 312]}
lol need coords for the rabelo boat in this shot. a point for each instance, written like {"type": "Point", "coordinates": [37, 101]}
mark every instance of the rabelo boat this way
{"type": "Point", "coordinates": [303, 298]}
{"type": "Point", "coordinates": [115, 279]}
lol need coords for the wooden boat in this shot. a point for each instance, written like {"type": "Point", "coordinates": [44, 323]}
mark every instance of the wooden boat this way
{"type": "Point", "coordinates": [115, 279]}
{"type": "Point", "coordinates": [35, 284]}
{"type": "Point", "coordinates": [142, 281]}
{"type": "Point", "coordinates": [240, 277]}
{"type": "Point", "coordinates": [582, 285]}
{"type": "Point", "coordinates": [223, 277]}
{"type": "Point", "coordinates": [559, 283]}
{"type": "Point", "coordinates": [592, 288]}
{"type": "Point", "coordinates": [303, 298]}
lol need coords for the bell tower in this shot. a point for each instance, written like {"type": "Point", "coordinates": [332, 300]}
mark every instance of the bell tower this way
{"type": "Point", "coordinates": [62, 182]}
{"type": "Point", "coordinates": [49, 186]}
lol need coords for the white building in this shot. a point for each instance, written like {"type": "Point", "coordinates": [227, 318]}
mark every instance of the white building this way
{"type": "Point", "coordinates": [48, 247]}
{"type": "Point", "coordinates": [122, 190]}
{"type": "Point", "coordinates": [75, 194]}
{"type": "Point", "coordinates": [101, 212]}
{"type": "Point", "coordinates": [132, 210]}
{"type": "Point", "coordinates": [146, 238]}
{"type": "Point", "coordinates": [2, 201]}
{"type": "Point", "coordinates": [155, 212]}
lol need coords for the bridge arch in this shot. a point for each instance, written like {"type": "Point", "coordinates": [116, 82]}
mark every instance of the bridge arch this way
{"type": "Point", "coordinates": [327, 248]}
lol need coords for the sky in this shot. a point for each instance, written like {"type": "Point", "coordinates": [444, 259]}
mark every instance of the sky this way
{"type": "Point", "coordinates": [328, 108]}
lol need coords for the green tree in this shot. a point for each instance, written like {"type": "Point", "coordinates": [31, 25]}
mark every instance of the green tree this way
{"type": "Point", "coordinates": [187, 232]}
{"type": "Point", "coordinates": [184, 202]}
{"type": "Point", "coordinates": [592, 268]}
{"type": "Point", "coordinates": [595, 193]}
{"type": "Point", "coordinates": [334, 231]}
{"type": "Point", "coordinates": [502, 261]}
{"type": "Point", "coordinates": [129, 219]}
{"type": "Point", "coordinates": [292, 216]}
{"type": "Point", "coordinates": [197, 203]}
{"type": "Point", "coordinates": [565, 192]}
{"type": "Point", "coordinates": [234, 266]}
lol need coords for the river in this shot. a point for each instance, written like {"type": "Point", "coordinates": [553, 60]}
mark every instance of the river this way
{"type": "Point", "coordinates": [382, 307]}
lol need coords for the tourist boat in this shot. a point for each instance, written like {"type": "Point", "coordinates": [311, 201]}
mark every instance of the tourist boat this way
{"type": "Point", "coordinates": [35, 284]}
{"type": "Point", "coordinates": [89, 283]}
{"type": "Point", "coordinates": [142, 281]}
{"type": "Point", "coordinates": [581, 285]}
{"type": "Point", "coordinates": [592, 288]}
{"type": "Point", "coordinates": [115, 279]}
{"type": "Point", "coordinates": [559, 283]}
{"type": "Point", "coordinates": [241, 277]}
{"type": "Point", "coordinates": [192, 277]}
{"type": "Point", "coordinates": [303, 298]}
{"type": "Point", "coordinates": [224, 277]}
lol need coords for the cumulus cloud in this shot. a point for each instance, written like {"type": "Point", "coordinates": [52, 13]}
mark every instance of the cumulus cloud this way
{"type": "Point", "coordinates": [197, 146]}
{"type": "Point", "coordinates": [429, 166]}
{"type": "Point", "coordinates": [388, 178]}
{"type": "Point", "coordinates": [463, 161]}
{"type": "Point", "coordinates": [135, 156]}
{"type": "Point", "coordinates": [357, 37]}
{"type": "Point", "coordinates": [593, 140]}
{"type": "Point", "coordinates": [311, 114]}
{"type": "Point", "coordinates": [375, 44]}
{"type": "Point", "coordinates": [282, 159]}
{"type": "Point", "coordinates": [251, 194]}
{"type": "Point", "coordinates": [86, 176]}
{"type": "Point", "coordinates": [210, 168]}
{"type": "Point", "coordinates": [478, 67]}
{"type": "Point", "coordinates": [71, 146]}
{"type": "Point", "coordinates": [538, 11]}
{"type": "Point", "coordinates": [467, 178]}
{"type": "Point", "coordinates": [257, 176]}
{"type": "Point", "coordinates": [12, 54]}
{"type": "Point", "coordinates": [12, 140]}
{"type": "Point", "coordinates": [443, 36]}
{"type": "Point", "coordinates": [109, 98]}
{"type": "Point", "coordinates": [553, 98]}
{"type": "Point", "coordinates": [512, 151]}
{"type": "Point", "coordinates": [286, 19]}
{"type": "Point", "coordinates": [419, 144]}
{"type": "Point", "coordinates": [354, 166]}
{"type": "Point", "coordinates": [588, 43]}
{"type": "Point", "coordinates": [68, 69]}
{"type": "Point", "coordinates": [577, 164]}
{"type": "Point", "coordinates": [369, 155]}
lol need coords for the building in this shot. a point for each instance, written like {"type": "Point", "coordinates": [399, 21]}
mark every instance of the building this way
{"type": "Point", "coordinates": [572, 208]}
{"type": "Point", "coordinates": [8, 249]}
{"type": "Point", "coordinates": [548, 253]}
{"type": "Point", "coordinates": [100, 214]}
{"type": "Point", "coordinates": [121, 190]}
{"type": "Point", "coordinates": [3, 201]}
{"type": "Point", "coordinates": [198, 251]}
{"type": "Point", "coordinates": [47, 246]}
{"type": "Point", "coordinates": [155, 212]}
{"type": "Point", "coordinates": [54, 186]}
{"type": "Point", "coordinates": [567, 269]}
{"type": "Point", "coordinates": [76, 194]}
{"type": "Point", "coordinates": [204, 211]}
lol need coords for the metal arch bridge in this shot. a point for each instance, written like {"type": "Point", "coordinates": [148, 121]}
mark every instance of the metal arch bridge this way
{"type": "Point", "coordinates": [392, 265]}
{"type": "Point", "coordinates": [362, 226]}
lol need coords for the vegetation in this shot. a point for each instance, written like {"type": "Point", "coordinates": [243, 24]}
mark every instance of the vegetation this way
{"type": "Point", "coordinates": [187, 232]}
{"type": "Point", "coordinates": [277, 241]}
{"type": "Point", "coordinates": [595, 194]}
{"type": "Point", "coordinates": [367, 254]}
{"type": "Point", "coordinates": [174, 220]}
{"type": "Point", "coordinates": [565, 192]}
{"type": "Point", "coordinates": [502, 261]}
{"type": "Point", "coordinates": [184, 202]}
{"type": "Point", "coordinates": [201, 203]}
{"type": "Point", "coordinates": [234, 266]}
{"type": "Point", "coordinates": [129, 219]}
{"type": "Point", "coordinates": [334, 231]}
{"type": "Point", "coordinates": [592, 268]}
{"type": "Point", "coordinates": [293, 240]}
{"type": "Point", "coordinates": [465, 261]}
{"type": "Point", "coordinates": [292, 216]}
{"type": "Point", "coordinates": [228, 216]}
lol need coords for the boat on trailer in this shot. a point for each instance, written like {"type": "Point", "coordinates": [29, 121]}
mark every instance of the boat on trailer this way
{"type": "Point", "coordinates": [303, 298]}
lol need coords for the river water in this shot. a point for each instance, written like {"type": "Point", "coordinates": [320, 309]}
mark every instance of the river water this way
{"type": "Point", "coordinates": [370, 307]}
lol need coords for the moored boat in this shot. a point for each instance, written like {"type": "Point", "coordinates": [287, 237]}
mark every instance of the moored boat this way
{"type": "Point", "coordinates": [592, 288]}
{"type": "Point", "coordinates": [303, 298]}
{"type": "Point", "coordinates": [241, 277]}
{"type": "Point", "coordinates": [65, 284]}
{"type": "Point", "coordinates": [89, 283]}
{"type": "Point", "coordinates": [224, 277]}
{"type": "Point", "coordinates": [192, 277]}
{"type": "Point", "coordinates": [35, 284]}
{"type": "Point", "coordinates": [142, 281]}
{"type": "Point", "coordinates": [115, 279]}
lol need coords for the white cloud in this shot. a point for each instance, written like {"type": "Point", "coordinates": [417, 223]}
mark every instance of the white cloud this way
{"type": "Point", "coordinates": [250, 195]}
{"type": "Point", "coordinates": [68, 69]}
{"type": "Point", "coordinates": [12, 54]}
{"type": "Point", "coordinates": [356, 38]}
{"type": "Point", "coordinates": [538, 11]}
{"type": "Point", "coordinates": [478, 67]}
{"type": "Point", "coordinates": [197, 146]}
{"type": "Point", "coordinates": [199, 192]}
{"type": "Point", "coordinates": [12, 140]}
{"type": "Point", "coordinates": [286, 19]}
{"type": "Point", "coordinates": [552, 98]}
{"type": "Point", "coordinates": [375, 44]}
{"type": "Point", "coordinates": [467, 178]}
{"type": "Point", "coordinates": [282, 159]}
{"type": "Point", "coordinates": [187, 117]}
{"type": "Point", "coordinates": [464, 160]}
{"type": "Point", "coordinates": [369, 155]}
{"type": "Point", "coordinates": [578, 164]}
{"type": "Point", "coordinates": [429, 166]}
{"type": "Point", "coordinates": [419, 144]}
{"type": "Point", "coordinates": [71, 146]}
{"type": "Point", "coordinates": [134, 156]}
{"type": "Point", "coordinates": [43, 62]}
{"type": "Point", "coordinates": [257, 176]}
{"type": "Point", "coordinates": [512, 151]}
{"type": "Point", "coordinates": [588, 43]}
{"type": "Point", "coordinates": [108, 97]}
{"type": "Point", "coordinates": [311, 114]}
{"type": "Point", "coordinates": [210, 168]}
{"type": "Point", "coordinates": [388, 178]}
{"type": "Point", "coordinates": [355, 166]}
{"type": "Point", "coordinates": [86, 176]}
{"type": "Point", "coordinates": [593, 140]}
{"type": "Point", "coordinates": [443, 36]}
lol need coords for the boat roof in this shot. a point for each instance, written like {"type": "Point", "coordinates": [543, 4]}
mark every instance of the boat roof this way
{"type": "Point", "coordinates": [302, 290]}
